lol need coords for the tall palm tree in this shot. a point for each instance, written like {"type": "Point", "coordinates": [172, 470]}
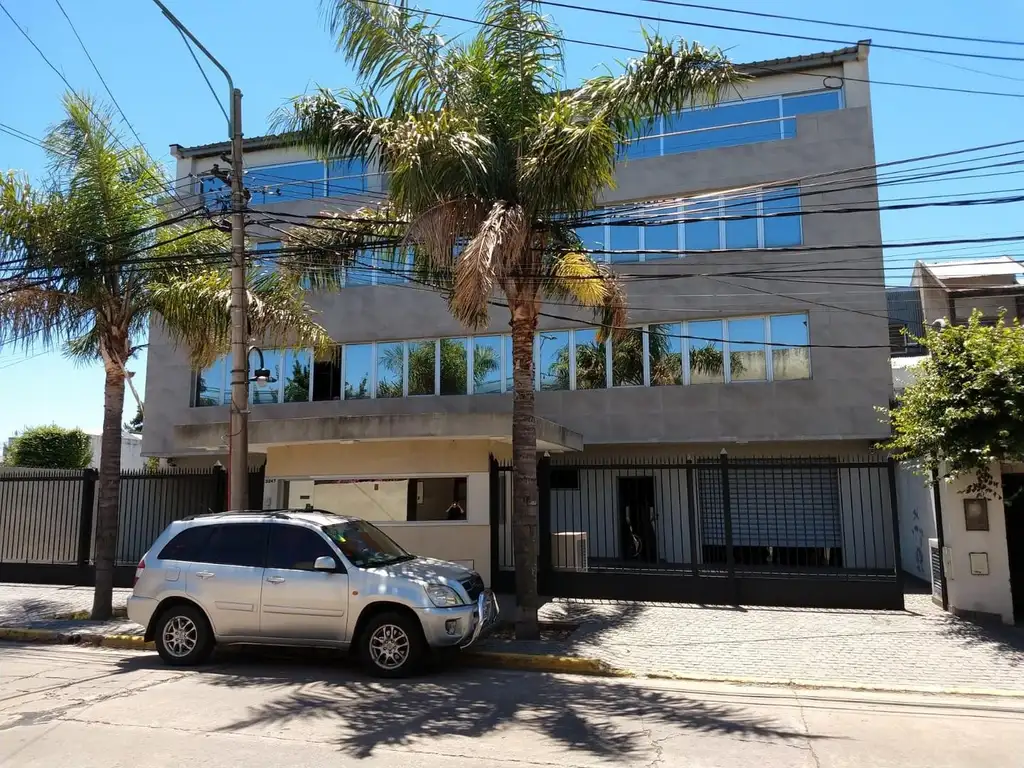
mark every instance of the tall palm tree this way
{"type": "Point", "coordinates": [90, 257]}
{"type": "Point", "coordinates": [484, 146]}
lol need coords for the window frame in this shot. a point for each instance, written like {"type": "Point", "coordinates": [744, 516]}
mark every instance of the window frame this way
{"type": "Point", "coordinates": [214, 527]}
{"type": "Point", "coordinates": [339, 565]}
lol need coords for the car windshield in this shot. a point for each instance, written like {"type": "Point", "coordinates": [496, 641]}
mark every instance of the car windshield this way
{"type": "Point", "coordinates": [365, 545]}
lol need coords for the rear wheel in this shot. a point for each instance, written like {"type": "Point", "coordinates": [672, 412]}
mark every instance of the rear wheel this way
{"type": "Point", "coordinates": [392, 645]}
{"type": "Point", "coordinates": [183, 636]}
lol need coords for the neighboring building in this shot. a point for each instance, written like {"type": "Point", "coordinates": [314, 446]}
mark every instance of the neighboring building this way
{"type": "Point", "coordinates": [983, 567]}
{"type": "Point", "coordinates": [131, 450]}
{"type": "Point", "coordinates": [389, 433]}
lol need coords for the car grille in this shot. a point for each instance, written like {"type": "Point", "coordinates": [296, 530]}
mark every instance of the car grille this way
{"type": "Point", "coordinates": [473, 585]}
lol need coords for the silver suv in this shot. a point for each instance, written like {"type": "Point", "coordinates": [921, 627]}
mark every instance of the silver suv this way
{"type": "Point", "coordinates": [301, 577]}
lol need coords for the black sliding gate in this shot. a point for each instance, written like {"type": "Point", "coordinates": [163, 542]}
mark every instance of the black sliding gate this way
{"type": "Point", "coordinates": [815, 532]}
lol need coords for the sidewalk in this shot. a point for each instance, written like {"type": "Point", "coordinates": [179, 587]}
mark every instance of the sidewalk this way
{"type": "Point", "coordinates": [920, 649]}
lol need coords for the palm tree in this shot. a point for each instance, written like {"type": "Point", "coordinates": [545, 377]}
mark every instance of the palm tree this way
{"type": "Point", "coordinates": [484, 146]}
{"type": "Point", "coordinates": [90, 258]}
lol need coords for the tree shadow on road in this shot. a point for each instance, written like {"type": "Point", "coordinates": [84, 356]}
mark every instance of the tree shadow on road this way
{"type": "Point", "coordinates": [609, 719]}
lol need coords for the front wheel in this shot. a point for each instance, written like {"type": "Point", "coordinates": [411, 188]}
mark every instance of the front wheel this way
{"type": "Point", "coordinates": [183, 636]}
{"type": "Point", "coordinates": [392, 645]}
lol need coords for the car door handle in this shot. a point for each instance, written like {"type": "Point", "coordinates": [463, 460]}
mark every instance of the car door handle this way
{"type": "Point", "coordinates": [275, 579]}
{"type": "Point", "coordinates": [205, 574]}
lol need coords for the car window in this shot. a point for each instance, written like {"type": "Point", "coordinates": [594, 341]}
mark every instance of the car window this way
{"type": "Point", "coordinates": [236, 544]}
{"type": "Point", "coordinates": [365, 545]}
{"type": "Point", "coordinates": [188, 545]}
{"type": "Point", "coordinates": [296, 548]}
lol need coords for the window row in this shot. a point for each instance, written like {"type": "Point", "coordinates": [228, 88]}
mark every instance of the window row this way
{"type": "Point", "coordinates": [730, 124]}
{"type": "Point", "coordinates": [305, 180]}
{"type": "Point", "coordinates": [751, 221]}
{"type": "Point", "coordinates": [764, 348]}
{"type": "Point", "coordinates": [369, 268]}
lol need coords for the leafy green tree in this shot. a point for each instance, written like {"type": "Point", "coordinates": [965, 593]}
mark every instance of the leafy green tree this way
{"type": "Point", "coordinates": [50, 447]}
{"type": "Point", "coordinates": [454, 365]}
{"type": "Point", "coordinates": [296, 390]}
{"type": "Point", "coordinates": [135, 425]}
{"type": "Point", "coordinates": [91, 258]}
{"type": "Point", "coordinates": [965, 410]}
{"type": "Point", "coordinates": [483, 144]}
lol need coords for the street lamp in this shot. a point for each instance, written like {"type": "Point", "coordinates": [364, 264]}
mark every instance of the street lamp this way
{"type": "Point", "coordinates": [262, 374]}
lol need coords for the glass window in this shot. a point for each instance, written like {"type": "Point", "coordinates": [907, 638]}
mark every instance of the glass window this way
{"type": "Point", "coordinates": [662, 237]}
{"type": "Point", "coordinates": [454, 371]}
{"type": "Point", "coordinates": [281, 183]}
{"type": "Point", "coordinates": [591, 365]}
{"type": "Point", "coordinates": [807, 103]}
{"type": "Point", "coordinates": [212, 385]}
{"type": "Point", "coordinates": [740, 232]}
{"type": "Point", "coordinates": [358, 369]}
{"type": "Point", "coordinates": [487, 364]}
{"type": "Point", "coordinates": [393, 266]}
{"type": "Point", "coordinates": [552, 356]}
{"type": "Point", "coordinates": [365, 545]}
{"type": "Point", "coordinates": [421, 367]}
{"type": "Point", "coordinates": [215, 193]}
{"type": "Point", "coordinates": [628, 359]}
{"type": "Point", "coordinates": [593, 240]}
{"type": "Point", "coordinates": [665, 352]}
{"type": "Point", "coordinates": [790, 362]}
{"type": "Point", "coordinates": [623, 238]}
{"type": "Point", "coordinates": [188, 545]}
{"type": "Point", "coordinates": [701, 228]}
{"type": "Point", "coordinates": [327, 378]}
{"type": "Point", "coordinates": [269, 392]}
{"type": "Point", "coordinates": [241, 544]}
{"type": "Point", "coordinates": [707, 358]}
{"type": "Point", "coordinates": [726, 125]}
{"type": "Point", "coordinates": [509, 368]}
{"type": "Point", "coordinates": [644, 142]}
{"type": "Point", "coordinates": [747, 360]}
{"type": "Point", "coordinates": [293, 548]}
{"type": "Point", "coordinates": [295, 373]}
{"type": "Point", "coordinates": [390, 369]}
{"type": "Point", "coordinates": [265, 258]}
{"type": "Point", "coordinates": [346, 177]}
{"type": "Point", "coordinates": [360, 271]}
{"type": "Point", "coordinates": [783, 230]}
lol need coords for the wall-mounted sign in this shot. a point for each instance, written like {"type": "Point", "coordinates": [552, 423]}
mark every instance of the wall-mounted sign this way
{"type": "Point", "coordinates": [979, 563]}
{"type": "Point", "coordinates": [976, 514]}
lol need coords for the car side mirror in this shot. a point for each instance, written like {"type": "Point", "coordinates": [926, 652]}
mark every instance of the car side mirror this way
{"type": "Point", "coordinates": [325, 563]}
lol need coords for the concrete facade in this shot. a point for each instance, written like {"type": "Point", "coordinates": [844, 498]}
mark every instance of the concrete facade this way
{"type": "Point", "coordinates": [836, 403]}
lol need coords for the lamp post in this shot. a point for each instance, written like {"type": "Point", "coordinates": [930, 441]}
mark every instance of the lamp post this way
{"type": "Point", "coordinates": [238, 428]}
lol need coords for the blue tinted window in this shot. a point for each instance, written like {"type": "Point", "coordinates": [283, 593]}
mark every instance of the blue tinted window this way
{"type": "Point", "coordinates": [346, 177]}
{"type": "Point", "coordinates": [280, 183]}
{"type": "Point", "coordinates": [661, 237]}
{"type": "Point", "coordinates": [212, 385]}
{"type": "Point", "coordinates": [266, 255]}
{"type": "Point", "coordinates": [215, 193]}
{"type": "Point", "coordinates": [785, 229]}
{"type": "Point", "coordinates": [802, 105]}
{"type": "Point", "coordinates": [591, 362]}
{"type": "Point", "coordinates": [393, 266]}
{"type": "Point", "coordinates": [487, 364]}
{"type": "Point", "coordinates": [360, 271]}
{"type": "Point", "coordinates": [261, 393]}
{"type": "Point", "coordinates": [701, 229]}
{"type": "Point", "coordinates": [726, 125]}
{"type": "Point", "coordinates": [740, 232]}
{"type": "Point", "coordinates": [509, 368]}
{"type": "Point", "coordinates": [552, 355]}
{"type": "Point", "coordinates": [358, 364]}
{"type": "Point", "coordinates": [645, 142]}
{"type": "Point", "coordinates": [623, 238]}
{"type": "Point", "coordinates": [593, 240]}
{"type": "Point", "coordinates": [791, 357]}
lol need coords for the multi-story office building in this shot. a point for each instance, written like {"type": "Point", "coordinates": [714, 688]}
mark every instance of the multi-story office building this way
{"type": "Point", "coordinates": [402, 425]}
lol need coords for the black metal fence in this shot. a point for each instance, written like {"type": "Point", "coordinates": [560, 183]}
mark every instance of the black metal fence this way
{"type": "Point", "coordinates": [810, 532]}
{"type": "Point", "coordinates": [48, 520]}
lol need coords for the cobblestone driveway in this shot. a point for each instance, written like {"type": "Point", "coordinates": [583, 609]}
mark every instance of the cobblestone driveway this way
{"type": "Point", "coordinates": [24, 603]}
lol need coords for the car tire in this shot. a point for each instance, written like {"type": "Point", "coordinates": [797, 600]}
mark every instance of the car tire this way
{"type": "Point", "coordinates": [183, 636]}
{"type": "Point", "coordinates": [392, 645]}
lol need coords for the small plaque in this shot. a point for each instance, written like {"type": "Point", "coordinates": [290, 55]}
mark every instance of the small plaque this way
{"type": "Point", "coordinates": [976, 514]}
{"type": "Point", "coordinates": [979, 563]}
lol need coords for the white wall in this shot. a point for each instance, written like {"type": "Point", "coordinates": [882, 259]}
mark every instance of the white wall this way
{"type": "Point", "coordinates": [967, 592]}
{"type": "Point", "coordinates": [131, 451]}
{"type": "Point", "coordinates": [917, 519]}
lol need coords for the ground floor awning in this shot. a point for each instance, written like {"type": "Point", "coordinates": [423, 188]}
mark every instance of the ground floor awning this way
{"type": "Point", "coordinates": [263, 433]}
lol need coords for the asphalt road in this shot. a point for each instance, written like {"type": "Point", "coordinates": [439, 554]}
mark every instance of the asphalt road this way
{"type": "Point", "coordinates": [81, 707]}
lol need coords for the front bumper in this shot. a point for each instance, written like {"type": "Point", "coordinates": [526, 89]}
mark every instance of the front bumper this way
{"type": "Point", "coordinates": [461, 626]}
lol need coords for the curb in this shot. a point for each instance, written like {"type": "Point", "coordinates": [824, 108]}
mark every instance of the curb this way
{"type": "Point", "coordinates": [56, 637]}
{"type": "Point", "coordinates": [117, 613]}
{"type": "Point", "coordinates": [573, 665]}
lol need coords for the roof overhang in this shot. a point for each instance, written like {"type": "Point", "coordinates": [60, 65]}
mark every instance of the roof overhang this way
{"type": "Point", "coordinates": [496, 427]}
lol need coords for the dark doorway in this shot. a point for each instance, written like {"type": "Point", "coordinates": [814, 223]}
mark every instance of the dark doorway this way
{"type": "Point", "coordinates": [636, 519]}
{"type": "Point", "coordinates": [1013, 499]}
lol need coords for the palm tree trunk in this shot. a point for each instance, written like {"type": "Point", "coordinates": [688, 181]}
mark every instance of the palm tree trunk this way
{"type": "Point", "coordinates": [524, 487]}
{"type": "Point", "coordinates": [109, 482]}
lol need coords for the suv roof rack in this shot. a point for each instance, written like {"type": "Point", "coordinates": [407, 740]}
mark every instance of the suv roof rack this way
{"type": "Point", "coordinates": [262, 512]}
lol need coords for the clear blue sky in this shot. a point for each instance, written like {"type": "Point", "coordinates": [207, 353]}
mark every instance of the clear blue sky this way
{"type": "Point", "coordinates": [275, 50]}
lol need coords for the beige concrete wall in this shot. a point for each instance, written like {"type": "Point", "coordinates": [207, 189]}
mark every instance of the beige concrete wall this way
{"type": "Point", "coordinates": [968, 592]}
{"type": "Point", "coordinates": [406, 459]}
{"type": "Point", "coordinates": [461, 542]}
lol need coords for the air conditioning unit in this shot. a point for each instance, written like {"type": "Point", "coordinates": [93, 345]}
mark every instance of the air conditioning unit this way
{"type": "Point", "coordinates": [569, 551]}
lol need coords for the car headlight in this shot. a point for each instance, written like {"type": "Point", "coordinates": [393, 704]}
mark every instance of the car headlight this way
{"type": "Point", "coordinates": [442, 596]}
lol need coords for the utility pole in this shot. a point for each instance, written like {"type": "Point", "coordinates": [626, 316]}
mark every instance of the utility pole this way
{"type": "Point", "coordinates": [238, 426]}
{"type": "Point", "coordinates": [238, 437]}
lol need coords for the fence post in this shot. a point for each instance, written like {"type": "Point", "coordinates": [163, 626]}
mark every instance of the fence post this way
{"type": "Point", "coordinates": [220, 489]}
{"type": "Point", "coordinates": [85, 520]}
{"type": "Point", "coordinates": [494, 500]}
{"type": "Point", "coordinates": [691, 515]}
{"type": "Point", "coordinates": [544, 523]}
{"type": "Point", "coordinates": [730, 557]}
{"type": "Point", "coordinates": [893, 503]}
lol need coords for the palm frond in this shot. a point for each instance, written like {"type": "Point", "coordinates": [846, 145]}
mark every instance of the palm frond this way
{"type": "Point", "coordinates": [438, 230]}
{"type": "Point", "coordinates": [337, 124]}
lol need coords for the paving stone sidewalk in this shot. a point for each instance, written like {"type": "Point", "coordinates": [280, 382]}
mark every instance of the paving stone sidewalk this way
{"type": "Point", "coordinates": [921, 647]}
